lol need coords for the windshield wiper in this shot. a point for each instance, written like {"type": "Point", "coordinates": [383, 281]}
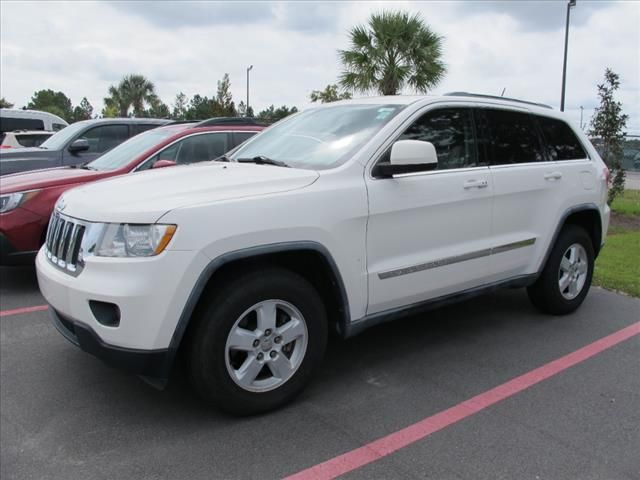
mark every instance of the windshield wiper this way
{"type": "Point", "coordinates": [84, 166]}
{"type": "Point", "coordinates": [262, 160]}
{"type": "Point", "coordinates": [222, 158]}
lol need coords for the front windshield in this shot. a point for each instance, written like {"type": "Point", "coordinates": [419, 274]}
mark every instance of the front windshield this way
{"type": "Point", "coordinates": [320, 138]}
{"type": "Point", "coordinates": [58, 140]}
{"type": "Point", "coordinates": [127, 151]}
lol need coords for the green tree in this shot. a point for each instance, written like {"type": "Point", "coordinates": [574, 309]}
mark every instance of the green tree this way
{"type": "Point", "coordinates": [273, 114]}
{"type": "Point", "coordinates": [224, 106]}
{"type": "Point", "coordinates": [134, 91]}
{"type": "Point", "coordinates": [84, 111]}
{"type": "Point", "coordinates": [200, 108]}
{"type": "Point", "coordinates": [53, 102]}
{"type": "Point", "coordinates": [158, 109]}
{"type": "Point", "coordinates": [110, 111]}
{"type": "Point", "coordinates": [116, 102]}
{"type": "Point", "coordinates": [180, 106]}
{"type": "Point", "coordinates": [242, 109]}
{"type": "Point", "coordinates": [5, 104]}
{"type": "Point", "coordinates": [607, 124]}
{"type": "Point", "coordinates": [393, 51]}
{"type": "Point", "coordinates": [329, 94]}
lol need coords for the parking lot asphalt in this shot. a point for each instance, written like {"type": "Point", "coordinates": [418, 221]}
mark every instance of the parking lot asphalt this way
{"type": "Point", "coordinates": [66, 415]}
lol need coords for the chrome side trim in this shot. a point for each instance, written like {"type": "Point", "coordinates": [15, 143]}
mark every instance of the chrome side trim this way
{"type": "Point", "coordinates": [512, 246]}
{"type": "Point", "coordinates": [435, 264]}
{"type": "Point", "coordinates": [456, 259]}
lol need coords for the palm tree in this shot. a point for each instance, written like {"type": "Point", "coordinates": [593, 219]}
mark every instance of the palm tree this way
{"type": "Point", "coordinates": [132, 91]}
{"type": "Point", "coordinates": [116, 101]}
{"type": "Point", "coordinates": [139, 91]}
{"type": "Point", "coordinates": [394, 50]}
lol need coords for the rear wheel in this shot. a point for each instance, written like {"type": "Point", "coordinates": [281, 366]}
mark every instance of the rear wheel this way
{"type": "Point", "coordinates": [566, 278]}
{"type": "Point", "coordinates": [257, 341]}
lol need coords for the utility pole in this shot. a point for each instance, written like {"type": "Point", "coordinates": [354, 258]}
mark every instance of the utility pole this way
{"type": "Point", "coordinates": [248, 70]}
{"type": "Point", "coordinates": [570, 3]}
{"type": "Point", "coordinates": [581, 112]}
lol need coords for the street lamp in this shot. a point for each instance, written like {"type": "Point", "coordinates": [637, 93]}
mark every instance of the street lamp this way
{"type": "Point", "coordinates": [248, 70]}
{"type": "Point", "coordinates": [570, 3]}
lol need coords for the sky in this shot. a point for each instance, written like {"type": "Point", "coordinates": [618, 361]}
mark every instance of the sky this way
{"type": "Point", "coordinates": [83, 47]}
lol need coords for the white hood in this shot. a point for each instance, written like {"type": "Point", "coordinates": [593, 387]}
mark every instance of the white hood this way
{"type": "Point", "coordinates": [144, 197]}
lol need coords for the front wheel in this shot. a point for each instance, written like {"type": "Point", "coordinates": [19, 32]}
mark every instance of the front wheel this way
{"type": "Point", "coordinates": [258, 341]}
{"type": "Point", "coordinates": [566, 278]}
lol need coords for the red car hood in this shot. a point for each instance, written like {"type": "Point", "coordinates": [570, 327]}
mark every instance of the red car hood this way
{"type": "Point", "coordinates": [50, 177]}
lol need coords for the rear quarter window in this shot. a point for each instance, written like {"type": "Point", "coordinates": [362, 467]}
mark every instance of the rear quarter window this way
{"type": "Point", "coordinates": [9, 124]}
{"type": "Point", "coordinates": [561, 142]}
{"type": "Point", "coordinates": [27, 140]}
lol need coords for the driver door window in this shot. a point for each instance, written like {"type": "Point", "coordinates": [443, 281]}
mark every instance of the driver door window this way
{"type": "Point", "coordinates": [193, 149]}
{"type": "Point", "coordinates": [105, 137]}
{"type": "Point", "coordinates": [450, 130]}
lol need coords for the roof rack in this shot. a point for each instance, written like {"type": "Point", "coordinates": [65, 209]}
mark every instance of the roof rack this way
{"type": "Point", "coordinates": [495, 97]}
{"type": "Point", "coordinates": [230, 121]}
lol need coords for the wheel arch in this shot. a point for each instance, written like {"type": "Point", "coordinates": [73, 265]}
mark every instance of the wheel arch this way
{"type": "Point", "coordinates": [585, 215]}
{"type": "Point", "coordinates": [296, 256]}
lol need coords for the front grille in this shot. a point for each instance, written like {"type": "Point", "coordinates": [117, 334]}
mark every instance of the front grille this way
{"type": "Point", "coordinates": [63, 242]}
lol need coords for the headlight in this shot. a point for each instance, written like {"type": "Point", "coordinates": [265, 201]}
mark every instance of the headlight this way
{"type": "Point", "coordinates": [11, 201]}
{"type": "Point", "coordinates": [133, 240]}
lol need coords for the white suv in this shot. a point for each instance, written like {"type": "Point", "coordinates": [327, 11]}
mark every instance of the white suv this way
{"type": "Point", "coordinates": [337, 218]}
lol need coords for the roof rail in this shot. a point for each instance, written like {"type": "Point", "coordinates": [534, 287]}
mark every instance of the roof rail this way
{"type": "Point", "coordinates": [230, 121]}
{"type": "Point", "coordinates": [495, 97]}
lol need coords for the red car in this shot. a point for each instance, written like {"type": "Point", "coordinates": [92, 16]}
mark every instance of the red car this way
{"type": "Point", "coordinates": [27, 199]}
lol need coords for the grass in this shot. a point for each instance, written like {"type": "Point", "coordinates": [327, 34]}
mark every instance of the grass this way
{"type": "Point", "coordinates": [618, 265]}
{"type": "Point", "coordinates": [628, 203]}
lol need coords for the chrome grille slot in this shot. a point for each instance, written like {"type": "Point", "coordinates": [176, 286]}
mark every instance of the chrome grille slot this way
{"type": "Point", "coordinates": [64, 241]}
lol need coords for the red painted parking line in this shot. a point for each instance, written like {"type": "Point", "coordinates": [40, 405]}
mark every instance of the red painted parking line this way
{"type": "Point", "coordinates": [18, 311]}
{"type": "Point", "coordinates": [384, 446]}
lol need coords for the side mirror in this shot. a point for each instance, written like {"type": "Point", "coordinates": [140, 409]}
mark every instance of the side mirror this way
{"type": "Point", "coordinates": [408, 156]}
{"type": "Point", "coordinates": [79, 145]}
{"type": "Point", "coordinates": [164, 163]}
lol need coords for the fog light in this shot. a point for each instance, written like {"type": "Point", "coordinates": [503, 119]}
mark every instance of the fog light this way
{"type": "Point", "coordinates": [108, 314]}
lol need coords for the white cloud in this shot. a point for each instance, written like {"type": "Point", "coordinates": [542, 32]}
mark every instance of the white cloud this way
{"type": "Point", "coordinates": [81, 48]}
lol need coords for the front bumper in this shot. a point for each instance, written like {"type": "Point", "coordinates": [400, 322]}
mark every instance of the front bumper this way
{"type": "Point", "coordinates": [150, 294]}
{"type": "Point", "coordinates": [20, 235]}
{"type": "Point", "coordinates": [151, 363]}
{"type": "Point", "coordinates": [10, 256]}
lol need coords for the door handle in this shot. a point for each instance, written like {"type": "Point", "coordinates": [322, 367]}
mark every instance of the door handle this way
{"type": "Point", "coordinates": [553, 175]}
{"type": "Point", "coordinates": [475, 184]}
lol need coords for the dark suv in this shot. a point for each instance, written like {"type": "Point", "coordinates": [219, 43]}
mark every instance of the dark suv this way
{"type": "Point", "coordinates": [76, 144]}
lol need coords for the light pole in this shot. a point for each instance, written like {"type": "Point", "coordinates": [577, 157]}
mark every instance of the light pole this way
{"type": "Point", "coordinates": [581, 112]}
{"type": "Point", "coordinates": [248, 70]}
{"type": "Point", "coordinates": [570, 3]}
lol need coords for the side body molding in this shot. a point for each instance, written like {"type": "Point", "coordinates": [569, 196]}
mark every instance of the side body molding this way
{"type": "Point", "coordinates": [253, 252]}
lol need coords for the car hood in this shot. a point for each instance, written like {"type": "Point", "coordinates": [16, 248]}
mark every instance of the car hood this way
{"type": "Point", "coordinates": [145, 196]}
{"type": "Point", "coordinates": [25, 156]}
{"type": "Point", "coordinates": [49, 177]}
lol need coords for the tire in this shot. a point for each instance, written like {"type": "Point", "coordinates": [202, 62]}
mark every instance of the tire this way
{"type": "Point", "coordinates": [221, 374]}
{"type": "Point", "coordinates": [547, 293]}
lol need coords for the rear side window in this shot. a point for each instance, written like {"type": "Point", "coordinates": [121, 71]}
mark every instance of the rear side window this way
{"type": "Point", "coordinates": [561, 142]}
{"type": "Point", "coordinates": [450, 130]}
{"type": "Point", "coordinates": [511, 137]}
{"type": "Point", "coordinates": [9, 124]}
{"type": "Point", "coordinates": [143, 127]}
{"type": "Point", "coordinates": [31, 140]}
